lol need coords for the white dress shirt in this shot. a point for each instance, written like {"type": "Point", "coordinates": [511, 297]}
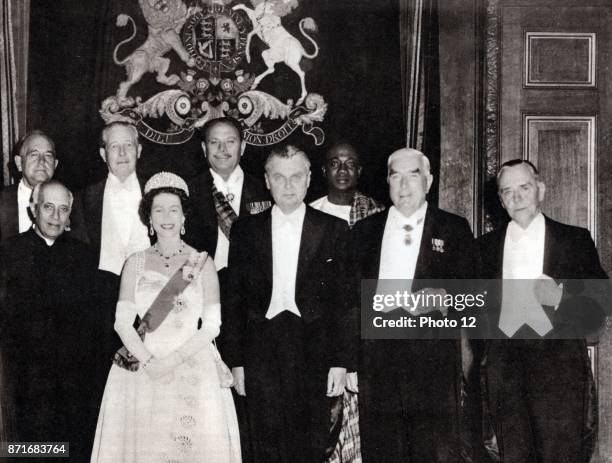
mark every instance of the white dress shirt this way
{"type": "Point", "coordinates": [122, 231]}
{"type": "Point", "coordinates": [232, 189]}
{"type": "Point", "coordinates": [337, 210]}
{"type": "Point", "coordinates": [286, 239]}
{"type": "Point", "coordinates": [523, 263]}
{"type": "Point", "coordinates": [397, 258]}
{"type": "Point", "coordinates": [24, 193]}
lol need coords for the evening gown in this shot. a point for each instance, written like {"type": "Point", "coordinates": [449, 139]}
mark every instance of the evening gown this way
{"type": "Point", "coordinates": [185, 417]}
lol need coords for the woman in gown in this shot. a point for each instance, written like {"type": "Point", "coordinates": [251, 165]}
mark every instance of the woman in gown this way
{"type": "Point", "coordinates": [175, 407]}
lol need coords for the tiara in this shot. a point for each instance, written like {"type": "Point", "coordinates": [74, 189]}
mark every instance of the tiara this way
{"type": "Point", "coordinates": [165, 180]}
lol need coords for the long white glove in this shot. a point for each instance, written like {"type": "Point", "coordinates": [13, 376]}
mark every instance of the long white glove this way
{"type": "Point", "coordinates": [125, 314]}
{"type": "Point", "coordinates": [211, 322]}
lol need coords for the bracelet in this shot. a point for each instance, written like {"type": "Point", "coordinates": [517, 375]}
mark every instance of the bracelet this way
{"type": "Point", "coordinates": [146, 363]}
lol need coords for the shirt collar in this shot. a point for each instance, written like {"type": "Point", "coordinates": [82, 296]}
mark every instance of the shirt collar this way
{"type": "Point", "coordinates": [415, 219]}
{"type": "Point", "coordinates": [23, 188]}
{"type": "Point", "coordinates": [533, 230]}
{"type": "Point", "coordinates": [295, 218]}
{"type": "Point", "coordinates": [233, 180]}
{"type": "Point", "coordinates": [130, 184]}
{"type": "Point", "coordinates": [326, 200]}
{"type": "Point", "coordinates": [48, 241]}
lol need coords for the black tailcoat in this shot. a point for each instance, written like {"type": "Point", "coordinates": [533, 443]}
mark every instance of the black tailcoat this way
{"type": "Point", "coordinates": [539, 391]}
{"type": "Point", "coordinates": [287, 358]}
{"type": "Point", "coordinates": [409, 389]}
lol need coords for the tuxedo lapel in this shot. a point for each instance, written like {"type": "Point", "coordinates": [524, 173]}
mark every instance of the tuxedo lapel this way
{"type": "Point", "coordinates": [94, 202]}
{"type": "Point", "coordinates": [311, 238]}
{"type": "Point", "coordinates": [551, 258]}
{"type": "Point", "coordinates": [423, 265]}
{"type": "Point", "coordinates": [247, 194]}
{"type": "Point", "coordinates": [209, 212]}
{"type": "Point", "coordinates": [498, 263]}
{"type": "Point", "coordinates": [141, 184]}
{"type": "Point", "coordinates": [265, 238]}
{"type": "Point", "coordinates": [374, 239]}
{"type": "Point", "coordinates": [10, 217]}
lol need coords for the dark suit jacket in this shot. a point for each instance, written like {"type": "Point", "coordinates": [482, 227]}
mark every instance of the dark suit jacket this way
{"type": "Point", "coordinates": [569, 254]}
{"type": "Point", "coordinates": [9, 216]}
{"type": "Point", "coordinates": [416, 378]}
{"type": "Point", "coordinates": [320, 292]}
{"type": "Point", "coordinates": [201, 225]}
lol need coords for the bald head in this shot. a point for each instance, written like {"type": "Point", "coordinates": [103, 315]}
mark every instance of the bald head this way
{"type": "Point", "coordinates": [36, 158]}
{"type": "Point", "coordinates": [51, 206]}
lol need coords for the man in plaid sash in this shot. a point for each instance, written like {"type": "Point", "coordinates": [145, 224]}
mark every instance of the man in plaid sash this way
{"type": "Point", "coordinates": [223, 192]}
{"type": "Point", "coordinates": [218, 196]}
{"type": "Point", "coordinates": [342, 170]}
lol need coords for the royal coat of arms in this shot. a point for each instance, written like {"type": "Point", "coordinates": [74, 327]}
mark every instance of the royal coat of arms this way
{"type": "Point", "coordinates": [212, 39]}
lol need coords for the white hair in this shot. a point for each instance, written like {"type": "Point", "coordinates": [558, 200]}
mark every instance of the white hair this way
{"type": "Point", "coordinates": [38, 188]}
{"type": "Point", "coordinates": [403, 153]}
{"type": "Point", "coordinates": [105, 131]}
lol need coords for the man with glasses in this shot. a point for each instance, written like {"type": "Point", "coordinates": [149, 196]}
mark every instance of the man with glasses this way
{"type": "Point", "coordinates": [35, 161]}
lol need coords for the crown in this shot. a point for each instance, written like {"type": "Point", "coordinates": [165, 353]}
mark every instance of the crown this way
{"type": "Point", "coordinates": [166, 180]}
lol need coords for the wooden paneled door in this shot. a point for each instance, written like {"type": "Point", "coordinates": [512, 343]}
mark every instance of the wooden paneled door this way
{"type": "Point", "coordinates": [555, 109]}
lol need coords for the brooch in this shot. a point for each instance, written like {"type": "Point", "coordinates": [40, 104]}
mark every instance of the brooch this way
{"type": "Point", "coordinates": [178, 304]}
{"type": "Point", "coordinates": [437, 245]}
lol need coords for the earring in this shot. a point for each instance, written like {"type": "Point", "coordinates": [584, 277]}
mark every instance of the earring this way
{"type": "Point", "coordinates": [183, 229]}
{"type": "Point", "coordinates": [151, 231]}
{"type": "Point", "coordinates": [67, 226]}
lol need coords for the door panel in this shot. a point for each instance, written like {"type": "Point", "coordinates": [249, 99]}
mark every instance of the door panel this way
{"type": "Point", "coordinates": [555, 101]}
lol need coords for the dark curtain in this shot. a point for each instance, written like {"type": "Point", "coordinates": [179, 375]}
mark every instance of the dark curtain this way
{"type": "Point", "coordinates": [357, 72]}
{"type": "Point", "coordinates": [419, 31]}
